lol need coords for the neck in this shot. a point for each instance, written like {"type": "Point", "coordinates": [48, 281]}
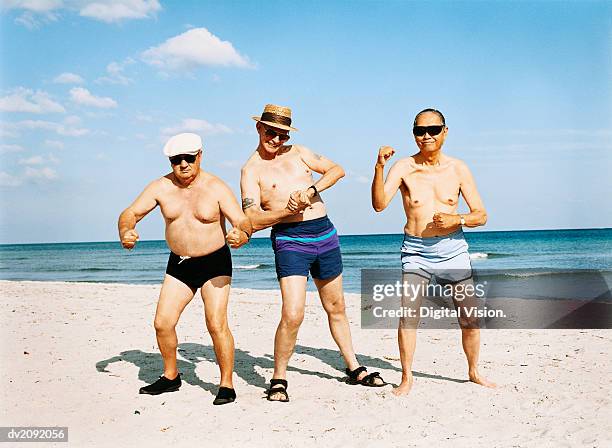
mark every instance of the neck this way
{"type": "Point", "coordinates": [186, 183]}
{"type": "Point", "coordinates": [265, 155]}
{"type": "Point", "coordinates": [431, 158]}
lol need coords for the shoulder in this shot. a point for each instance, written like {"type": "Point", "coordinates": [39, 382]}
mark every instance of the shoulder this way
{"type": "Point", "coordinates": [457, 164]}
{"type": "Point", "coordinates": [407, 163]}
{"type": "Point", "coordinates": [251, 166]}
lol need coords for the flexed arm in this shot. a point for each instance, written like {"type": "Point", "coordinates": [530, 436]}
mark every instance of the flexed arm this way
{"type": "Point", "coordinates": [143, 204]}
{"type": "Point", "coordinates": [251, 203]}
{"type": "Point", "coordinates": [242, 229]}
{"type": "Point", "coordinates": [383, 191]}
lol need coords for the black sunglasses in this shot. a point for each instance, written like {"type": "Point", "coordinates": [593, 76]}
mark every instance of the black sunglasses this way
{"type": "Point", "coordinates": [420, 131]}
{"type": "Point", "coordinates": [189, 158]}
{"type": "Point", "coordinates": [271, 133]}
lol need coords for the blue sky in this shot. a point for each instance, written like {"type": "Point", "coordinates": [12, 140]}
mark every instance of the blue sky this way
{"type": "Point", "coordinates": [90, 90]}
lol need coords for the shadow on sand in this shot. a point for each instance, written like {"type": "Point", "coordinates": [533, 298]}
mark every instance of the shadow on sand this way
{"type": "Point", "coordinates": [151, 365]}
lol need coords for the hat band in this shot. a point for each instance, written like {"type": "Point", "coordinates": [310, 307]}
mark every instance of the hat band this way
{"type": "Point", "coordinates": [274, 118]}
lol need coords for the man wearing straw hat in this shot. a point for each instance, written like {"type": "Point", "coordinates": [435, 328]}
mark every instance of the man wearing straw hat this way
{"type": "Point", "coordinates": [194, 205]}
{"type": "Point", "coordinates": [278, 190]}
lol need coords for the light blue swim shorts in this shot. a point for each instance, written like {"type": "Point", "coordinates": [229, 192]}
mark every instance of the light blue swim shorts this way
{"type": "Point", "coordinates": [444, 257]}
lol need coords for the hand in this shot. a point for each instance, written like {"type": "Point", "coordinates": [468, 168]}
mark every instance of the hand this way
{"type": "Point", "coordinates": [445, 221]}
{"type": "Point", "coordinates": [298, 201]}
{"type": "Point", "coordinates": [384, 154]}
{"type": "Point", "coordinates": [129, 238]}
{"type": "Point", "coordinates": [236, 238]}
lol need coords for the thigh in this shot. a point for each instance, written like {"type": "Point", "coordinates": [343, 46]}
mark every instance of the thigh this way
{"type": "Point", "coordinates": [414, 288]}
{"type": "Point", "coordinates": [293, 291]}
{"type": "Point", "coordinates": [330, 292]}
{"type": "Point", "coordinates": [173, 298]}
{"type": "Point", "coordinates": [466, 302]}
{"type": "Point", "coordinates": [327, 265]}
{"type": "Point", "coordinates": [292, 263]}
{"type": "Point", "coordinates": [215, 294]}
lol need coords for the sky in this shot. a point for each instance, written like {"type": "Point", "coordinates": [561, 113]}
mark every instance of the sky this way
{"type": "Point", "coordinates": [91, 90]}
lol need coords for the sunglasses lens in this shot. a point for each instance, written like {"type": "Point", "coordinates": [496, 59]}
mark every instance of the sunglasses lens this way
{"type": "Point", "coordinates": [270, 133]}
{"type": "Point", "coordinates": [189, 158]}
{"type": "Point", "coordinates": [419, 130]}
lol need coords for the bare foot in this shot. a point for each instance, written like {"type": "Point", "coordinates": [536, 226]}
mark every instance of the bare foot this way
{"type": "Point", "coordinates": [404, 387]}
{"type": "Point", "coordinates": [476, 378]}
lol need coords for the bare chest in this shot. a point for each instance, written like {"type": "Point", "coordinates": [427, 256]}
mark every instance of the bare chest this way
{"type": "Point", "coordinates": [281, 177]}
{"type": "Point", "coordinates": [196, 204]}
{"type": "Point", "coordinates": [437, 185]}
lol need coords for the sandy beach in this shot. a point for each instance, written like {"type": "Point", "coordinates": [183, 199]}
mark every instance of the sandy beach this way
{"type": "Point", "coordinates": [75, 355]}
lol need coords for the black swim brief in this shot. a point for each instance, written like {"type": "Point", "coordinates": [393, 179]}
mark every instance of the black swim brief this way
{"type": "Point", "coordinates": [195, 271]}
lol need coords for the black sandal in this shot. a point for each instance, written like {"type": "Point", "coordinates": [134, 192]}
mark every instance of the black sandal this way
{"type": "Point", "coordinates": [368, 380]}
{"type": "Point", "coordinates": [280, 390]}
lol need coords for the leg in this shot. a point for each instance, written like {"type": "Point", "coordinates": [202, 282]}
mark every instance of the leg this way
{"type": "Point", "coordinates": [215, 294]}
{"type": "Point", "coordinates": [173, 298]}
{"type": "Point", "coordinates": [465, 299]}
{"type": "Point", "coordinates": [406, 332]}
{"type": "Point", "coordinates": [332, 299]}
{"type": "Point", "coordinates": [293, 291]}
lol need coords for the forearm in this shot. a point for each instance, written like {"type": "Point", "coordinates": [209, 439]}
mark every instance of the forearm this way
{"type": "Point", "coordinates": [378, 188]}
{"type": "Point", "coordinates": [127, 221]}
{"type": "Point", "coordinates": [328, 179]}
{"type": "Point", "coordinates": [261, 219]}
{"type": "Point", "coordinates": [246, 226]}
{"type": "Point", "coordinates": [473, 219]}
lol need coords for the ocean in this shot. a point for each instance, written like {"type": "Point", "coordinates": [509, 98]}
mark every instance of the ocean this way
{"type": "Point", "coordinates": [520, 253]}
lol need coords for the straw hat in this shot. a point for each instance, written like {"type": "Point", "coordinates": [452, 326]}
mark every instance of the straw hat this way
{"type": "Point", "coordinates": [276, 117]}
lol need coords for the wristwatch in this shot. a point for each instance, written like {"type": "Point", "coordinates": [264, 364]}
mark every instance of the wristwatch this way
{"type": "Point", "coordinates": [462, 220]}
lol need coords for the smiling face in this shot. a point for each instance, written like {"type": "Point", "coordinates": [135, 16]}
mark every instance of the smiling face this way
{"type": "Point", "coordinates": [427, 142]}
{"type": "Point", "coordinates": [271, 139]}
{"type": "Point", "coordinates": [184, 170]}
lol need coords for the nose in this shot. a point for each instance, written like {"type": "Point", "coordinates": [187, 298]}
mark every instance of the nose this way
{"type": "Point", "coordinates": [184, 163]}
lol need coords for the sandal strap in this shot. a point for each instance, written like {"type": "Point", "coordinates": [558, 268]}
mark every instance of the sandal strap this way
{"type": "Point", "coordinates": [275, 382]}
{"type": "Point", "coordinates": [353, 374]}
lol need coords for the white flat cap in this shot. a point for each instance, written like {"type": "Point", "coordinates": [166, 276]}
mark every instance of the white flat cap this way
{"type": "Point", "coordinates": [185, 143]}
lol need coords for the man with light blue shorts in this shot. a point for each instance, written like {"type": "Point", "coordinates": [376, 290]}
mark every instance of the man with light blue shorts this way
{"type": "Point", "coordinates": [434, 245]}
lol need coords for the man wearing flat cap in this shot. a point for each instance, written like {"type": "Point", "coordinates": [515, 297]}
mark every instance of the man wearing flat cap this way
{"type": "Point", "coordinates": [194, 205]}
{"type": "Point", "coordinates": [278, 190]}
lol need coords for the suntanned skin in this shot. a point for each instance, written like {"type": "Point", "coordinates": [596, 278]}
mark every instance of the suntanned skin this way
{"type": "Point", "coordinates": [430, 183]}
{"type": "Point", "coordinates": [194, 205]}
{"type": "Point", "coordinates": [275, 185]}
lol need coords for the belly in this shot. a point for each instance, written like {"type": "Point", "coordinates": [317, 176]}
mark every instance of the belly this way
{"type": "Point", "coordinates": [419, 218]}
{"type": "Point", "coordinates": [194, 238]}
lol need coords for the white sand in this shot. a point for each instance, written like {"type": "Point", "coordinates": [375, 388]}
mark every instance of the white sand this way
{"type": "Point", "coordinates": [57, 339]}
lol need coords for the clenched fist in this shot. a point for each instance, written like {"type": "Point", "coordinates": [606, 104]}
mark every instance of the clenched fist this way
{"type": "Point", "coordinates": [129, 238]}
{"type": "Point", "coordinates": [236, 238]}
{"type": "Point", "coordinates": [298, 201]}
{"type": "Point", "coordinates": [384, 154]}
{"type": "Point", "coordinates": [446, 221]}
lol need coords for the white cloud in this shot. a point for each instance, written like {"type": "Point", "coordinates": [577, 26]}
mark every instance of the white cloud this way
{"type": "Point", "coordinates": [36, 12]}
{"type": "Point", "coordinates": [4, 148]}
{"type": "Point", "coordinates": [197, 126]}
{"type": "Point", "coordinates": [116, 10]}
{"type": "Point", "coordinates": [83, 96]}
{"type": "Point", "coordinates": [72, 119]}
{"type": "Point", "coordinates": [34, 160]}
{"type": "Point", "coordinates": [193, 48]}
{"type": "Point", "coordinates": [26, 100]}
{"type": "Point", "coordinates": [56, 144]}
{"type": "Point", "coordinates": [6, 180]}
{"type": "Point", "coordinates": [68, 78]}
{"type": "Point", "coordinates": [45, 173]}
{"type": "Point", "coordinates": [59, 128]}
{"type": "Point", "coordinates": [116, 74]}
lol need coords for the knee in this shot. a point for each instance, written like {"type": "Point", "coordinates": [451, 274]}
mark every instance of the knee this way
{"type": "Point", "coordinates": [469, 324]}
{"type": "Point", "coordinates": [336, 308]}
{"type": "Point", "coordinates": [292, 318]}
{"type": "Point", "coordinates": [163, 324]}
{"type": "Point", "coordinates": [216, 327]}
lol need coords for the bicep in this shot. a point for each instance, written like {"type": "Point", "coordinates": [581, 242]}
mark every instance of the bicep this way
{"type": "Point", "coordinates": [145, 202]}
{"type": "Point", "coordinates": [316, 162]}
{"type": "Point", "coordinates": [250, 192]}
{"type": "Point", "coordinates": [229, 205]}
{"type": "Point", "coordinates": [393, 181]}
{"type": "Point", "coordinates": [469, 190]}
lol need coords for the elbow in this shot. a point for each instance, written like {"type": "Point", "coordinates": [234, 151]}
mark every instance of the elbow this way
{"type": "Point", "coordinates": [378, 207]}
{"type": "Point", "coordinates": [483, 218]}
{"type": "Point", "coordinates": [340, 171]}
